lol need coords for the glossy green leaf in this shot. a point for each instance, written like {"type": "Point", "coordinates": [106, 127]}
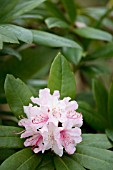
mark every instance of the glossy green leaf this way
{"type": "Point", "coordinates": [52, 22]}
{"type": "Point", "coordinates": [7, 36]}
{"type": "Point", "coordinates": [11, 142]}
{"type": "Point", "coordinates": [92, 33]}
{"type": "Point", "coordinates": [52, 40]}
{"type": "Point", "coordinates": [12, 33]}
{"type": "Point", "coordinates": [109, 133]}
{"type": "Point", "coordinates": [21, 33]}
{"type": "Point", "coordinates": [94, 158]}
{"type": "Point", "coordinates": [61, 77]}
{"type": "Point", "coordinates": [66, 163]}
{"type": "Point", "coordinates": [22, 160]}
{"type": "Point", "coordinates": [110, 106]}
{"type": "Point", "coordinates": [17, 94]}
{"type": "Point", "coordinates": [74, 55]}
{"type": "Point", "coordinates": [105, 51]}
{"type": "Point", "coordinates": [70, 9]}
{"type": "Point", "coordinates": [92, 118]}
{"type": "Point", "coordinates": [101, 97]}
{"type": "Point", "coordinates": [25, 6]}
{"type": "Point", "coordinates": [54, 10]}
{"type": "Point", "coordinates": [96, 140]}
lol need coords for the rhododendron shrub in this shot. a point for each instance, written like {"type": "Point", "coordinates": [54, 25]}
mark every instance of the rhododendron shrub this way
{"type": "Point", "coordinates": [52, 123]}
{"type": "Point", "coordinates": [31, 35]}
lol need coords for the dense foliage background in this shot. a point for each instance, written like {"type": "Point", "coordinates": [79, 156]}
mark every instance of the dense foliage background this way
{"type": "Point", "coordinates": [79, 33]}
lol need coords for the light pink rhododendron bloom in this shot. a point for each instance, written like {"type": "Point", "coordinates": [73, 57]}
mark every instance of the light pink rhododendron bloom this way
{"type": "Point", "coordinates": [52, 123]}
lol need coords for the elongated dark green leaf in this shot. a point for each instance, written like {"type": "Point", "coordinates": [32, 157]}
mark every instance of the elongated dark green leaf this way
{"type": "Point", "coordinates": [94, 158]}
{"type": "Point", "coordinates": [92, 33]}
{"type": "Point", "coordinates": [17, 94]}
{"type": "Point", "coordinates": [109, 133]}
{"type": "Point", "coordinates": [110, 106]}
{"type": "Point", "coordinates": [22, 160]}
{"type": "Point", "coordinates": [52, 22]}
{"type": "Point", "coordinates": [96, 140]}
{"type": "Point", "coordinates": [9, 131]}
{"type": "Point", "coordinates": [95, 120]}
{"type": "Point", "coordinates": [52, 40]}
{"type": "Point", "coordinates": [105, 51]}
{"type": "Point", "coordinates": [11, 142]}
{"type": "Point", "coordinates": [46, 163]}
{"type": "Point", "coordinates": [54, 10]}
{"type": "Point", "coordinates": [24, 7]}
{"type": "Point", "coordinates": [70, 9]}
{"type": "Point", "coordinates": [66, 163]}
{"type": "Point", "coordinates": [61, 77]}
{"type": "Point", "coordinates": [74, 55]}
{"type": "Point", "coordinates": [21, 33]}
{"type": "Point", "coordinates": [7, 36]}
{"type": "Point", "coordinates": [101, 97]}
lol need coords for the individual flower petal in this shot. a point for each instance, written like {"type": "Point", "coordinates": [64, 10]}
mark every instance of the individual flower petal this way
{"type": "Point", "coordinates": [44, 97]}
{"type": "Point", "coordinates": [74, 119]}
{"type": "Point", "coordinates": [24, 122]}
{"type": "Point", "coordinates": [36, 141]}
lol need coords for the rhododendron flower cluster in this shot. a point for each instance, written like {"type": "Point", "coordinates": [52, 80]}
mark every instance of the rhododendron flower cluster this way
{"type": "Point", "coordinates": [52, 123]}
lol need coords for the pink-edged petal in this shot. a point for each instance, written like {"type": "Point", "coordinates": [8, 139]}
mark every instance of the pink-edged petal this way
{"type": "Point", "coordinates": [38, 149]}
{"type": "Point", "coordinates": [74, 119]}
{"type": "Point", "coordinates": [34, 140]}
{"type": "Point", "coordinates": [24, 122]}
{"type": "Point", "coordinates": [70, 149]}
{"type": "Point", "coordinates": [26, 134]}
{"type": "Point", "coordinates": [31, 141]}
{"type": "Point", "coordinates": [69, 138]}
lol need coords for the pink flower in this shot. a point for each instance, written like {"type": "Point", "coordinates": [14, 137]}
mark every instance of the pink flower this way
{"type": "Point", "coordinates": [52, 123]}
{"type": "Point", "coordinates": [70, 138]}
